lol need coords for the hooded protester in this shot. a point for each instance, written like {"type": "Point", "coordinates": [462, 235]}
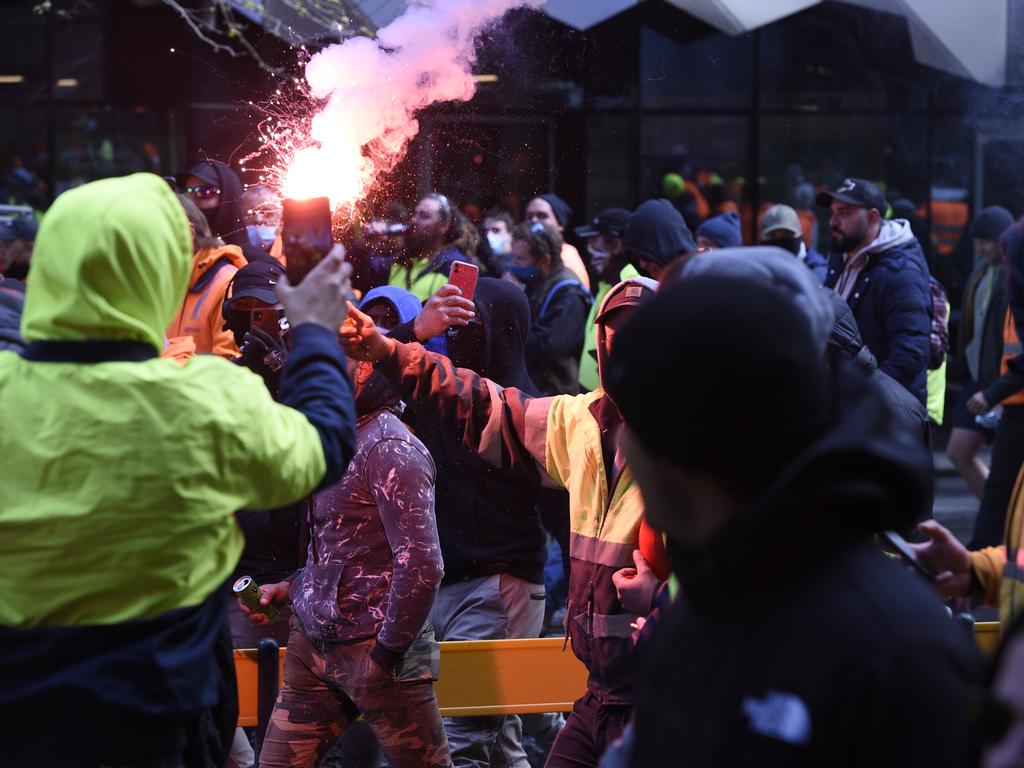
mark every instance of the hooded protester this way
{"type": "Point", "coordinates": [559, 304]}
{"type": "Point", "coordinates": [553, 211]}
{"type": "Point", "coordinates": [844, 342]}
{"type": "Point", "coordinates": [217, 192]}
{"type": "Point", "coordinates": [492, 540]}
{"type": "Point", "coordinates": [390, 306]}
{"type": "Point", "coordinates": [833, 654]}
{"type": "Point", "coordinates": [878, 267]}
{"type": "Point", "coordinates": [117, 527]}
{"type": "Point", "coordinates": [213, 267]}
{"type": "Point", "coordinates": [829, 314]}
{"type": "Point", "coordinates": [655, 236]}
{"type": "Point", "coordinates": [564, 442]}
{"type": "Point", "coordinates": [721, 231]}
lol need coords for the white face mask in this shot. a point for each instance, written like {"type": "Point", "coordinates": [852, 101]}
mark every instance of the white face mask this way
{"type": "Point", "coordinates": [500, 245]}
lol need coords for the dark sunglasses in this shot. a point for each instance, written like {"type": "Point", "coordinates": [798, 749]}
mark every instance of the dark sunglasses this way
{"type": "Point", "coordinates": [202, 193]}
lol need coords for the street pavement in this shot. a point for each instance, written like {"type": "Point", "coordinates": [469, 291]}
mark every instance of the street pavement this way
{"type": "Point", "coordinates": [955, 506]}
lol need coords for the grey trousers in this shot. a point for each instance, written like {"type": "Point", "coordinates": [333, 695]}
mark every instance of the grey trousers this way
{"type": "Point", "coordinates": [489, 608]}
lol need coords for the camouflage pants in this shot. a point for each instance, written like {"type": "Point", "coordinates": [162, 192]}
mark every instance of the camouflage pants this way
{"type": "Point", "coordinates": [318, 691]}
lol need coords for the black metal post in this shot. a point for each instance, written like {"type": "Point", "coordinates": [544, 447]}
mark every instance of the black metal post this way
{"type": "Point", "coordinates": [268, 667]}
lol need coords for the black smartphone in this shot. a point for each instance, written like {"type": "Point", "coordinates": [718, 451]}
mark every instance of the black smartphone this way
{"type": "Point", "coordinates": [900, 546]}
{"type": "Point", "coordinates": [305, 235]}
{"type": "Point", "coordinates": [267, 320]}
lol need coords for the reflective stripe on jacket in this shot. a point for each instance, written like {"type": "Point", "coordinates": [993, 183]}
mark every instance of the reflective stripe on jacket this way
{"type": "Point", "coordinates": [558, 441]}
{"type": "Point", "coordinates": [200, 315]}
{"type": "Point", "coordinates": [1000, 570]}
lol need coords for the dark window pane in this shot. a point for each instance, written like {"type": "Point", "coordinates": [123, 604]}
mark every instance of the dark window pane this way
{"type": "Point", "coordinates": [710, 72]}
{"type": "Point", "coordinates": [802, 154]}
{"type": "Point", "coordinates": [836, 56]}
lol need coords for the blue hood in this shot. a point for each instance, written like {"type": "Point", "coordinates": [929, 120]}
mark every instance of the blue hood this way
{"type": "Point", "coordinates": [406, 304]}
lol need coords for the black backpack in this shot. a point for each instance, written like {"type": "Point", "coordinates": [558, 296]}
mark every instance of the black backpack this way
{"type": "Point", "coordinates": [938, 346]}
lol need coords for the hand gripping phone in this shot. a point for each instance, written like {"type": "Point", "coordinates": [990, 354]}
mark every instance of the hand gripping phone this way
{"type": "Point", "coordinates": [305, 235]}
{"type": "Point", "coordinates": [464, 276]}
{"type": "Point", "coordinates": [897, 544]}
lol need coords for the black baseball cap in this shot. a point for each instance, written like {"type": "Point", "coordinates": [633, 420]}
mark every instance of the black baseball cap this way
{"type": "Point", "coordinates": [855, 192]}
{"type": "Point", "coordinates": [257, 280]}
{"type": "Point", "coordinates": [203, 170]}
{"type": "Point", "coordinates": [611, 222]}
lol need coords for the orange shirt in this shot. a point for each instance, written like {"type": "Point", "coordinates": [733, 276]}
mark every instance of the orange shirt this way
{"type": "Point", "coordinates": [571, 259]}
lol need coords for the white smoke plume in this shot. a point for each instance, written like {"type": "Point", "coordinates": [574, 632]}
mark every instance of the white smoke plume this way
{"type": "Point", "coordinates": [374, 88]}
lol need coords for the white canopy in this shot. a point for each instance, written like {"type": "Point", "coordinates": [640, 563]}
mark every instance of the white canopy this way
{"type": "Point", "coordinates": [965, 37]}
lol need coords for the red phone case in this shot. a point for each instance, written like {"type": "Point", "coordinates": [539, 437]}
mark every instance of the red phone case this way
{"type": "Point", "coordinates": [464, 276]}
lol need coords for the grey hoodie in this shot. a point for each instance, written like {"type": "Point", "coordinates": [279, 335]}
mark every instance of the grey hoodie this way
{"type": "Point", "coordinates": [892, 233]}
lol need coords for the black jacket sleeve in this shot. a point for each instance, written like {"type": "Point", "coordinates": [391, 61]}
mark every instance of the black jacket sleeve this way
{"type": "Point", "coordinates": [404, 332]}
{"type": "Point", "coordinates": [315, 384]}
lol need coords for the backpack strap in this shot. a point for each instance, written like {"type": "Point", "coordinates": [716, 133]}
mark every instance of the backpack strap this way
{"type": "Point", "coordinates": [559, 286]}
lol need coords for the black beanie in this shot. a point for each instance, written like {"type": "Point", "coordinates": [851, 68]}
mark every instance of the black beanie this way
{"type": "Point", "coordinates": [561, 208]}
{"type": "Point", "coordinates": [720, 375]}
{"type": "Point", "coordinates": [991, 222]}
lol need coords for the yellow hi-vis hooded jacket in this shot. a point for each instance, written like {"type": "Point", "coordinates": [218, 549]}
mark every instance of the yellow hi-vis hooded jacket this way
{"type": "Point", "coordinates": [120, 478]}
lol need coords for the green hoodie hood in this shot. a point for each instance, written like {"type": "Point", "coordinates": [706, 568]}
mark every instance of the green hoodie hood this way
{"type": "Point", "coordinates": [111, 262]}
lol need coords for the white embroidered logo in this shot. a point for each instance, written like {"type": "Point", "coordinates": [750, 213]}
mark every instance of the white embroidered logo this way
{"type": "Point", "coordinates": [781, 716]}
{"type": "Point", "coordinates": [846, 186]}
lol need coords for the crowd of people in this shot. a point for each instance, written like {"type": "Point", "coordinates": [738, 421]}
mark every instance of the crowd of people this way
{"type": "Point", "coordinates": [679, 450]}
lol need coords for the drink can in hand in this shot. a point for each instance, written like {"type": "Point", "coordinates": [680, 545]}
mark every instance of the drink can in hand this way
{"type": "Point", "coordinates": [249, 593]}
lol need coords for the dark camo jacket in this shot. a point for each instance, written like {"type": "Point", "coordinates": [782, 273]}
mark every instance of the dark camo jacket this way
{"type": "Point", "coordinates": [374, 560]}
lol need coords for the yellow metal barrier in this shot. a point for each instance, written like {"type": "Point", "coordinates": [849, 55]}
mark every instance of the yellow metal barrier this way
{"type": "Point", "coordinates": [500, 677]}
{"type": "Point", "coordinates": [986, 635]}
{"type": "Point", "coordinates": [480, 677]}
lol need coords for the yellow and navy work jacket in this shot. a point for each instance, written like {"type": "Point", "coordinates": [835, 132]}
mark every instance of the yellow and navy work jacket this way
{"type": "Point", "coordinates": [122, 471]}
{"type": "Point", "coordinates": [557, 441]}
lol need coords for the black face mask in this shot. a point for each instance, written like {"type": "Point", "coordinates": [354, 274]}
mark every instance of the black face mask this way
{"type": "Point", "coordinates": [238, 322]}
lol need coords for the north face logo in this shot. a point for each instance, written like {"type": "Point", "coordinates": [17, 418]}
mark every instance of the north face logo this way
{"type": "Point", "coordinates": [781, 716]}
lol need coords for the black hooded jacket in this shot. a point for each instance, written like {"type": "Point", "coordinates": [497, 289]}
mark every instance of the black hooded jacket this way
{"type": "Point", "coordinates": [657, 232]}
{"type": "Point", "coordinates": [487, 519]}
{"type": "Point", "coordinates": [796, 642]}
{"type": "Point", "coordinates": [227, 220]}
{"type": "Point", "coordinates": [559, 305]}
{"type": "Point", "coordinates": [906, 410]}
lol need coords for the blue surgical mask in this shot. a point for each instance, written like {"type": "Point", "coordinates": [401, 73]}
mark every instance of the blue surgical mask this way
{"type": "Point", "coordinates": [499, 244]}
{"type": "Point", "coordinates": [261, 235]}
{"type": "Point", "coordinates": [524, 274]}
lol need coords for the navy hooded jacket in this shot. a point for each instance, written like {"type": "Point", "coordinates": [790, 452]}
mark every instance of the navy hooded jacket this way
{"type": "Point", "coordinates": [891, 302]}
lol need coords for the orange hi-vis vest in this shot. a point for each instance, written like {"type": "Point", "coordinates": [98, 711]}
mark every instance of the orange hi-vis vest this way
{"type": "Point", "coordinates": [1011, 349]}
{"type": "Point", "coordinates": [949, 218]}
